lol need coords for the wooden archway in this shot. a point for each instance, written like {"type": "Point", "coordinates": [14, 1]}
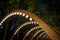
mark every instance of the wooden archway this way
{"type": "Point", "coordinates": [48, 29]}
{"type": "Point", "coordinates": [51, 33]}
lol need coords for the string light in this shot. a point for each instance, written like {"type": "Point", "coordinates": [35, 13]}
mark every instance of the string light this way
{"type": "Point", "coordinates": [30, 19]}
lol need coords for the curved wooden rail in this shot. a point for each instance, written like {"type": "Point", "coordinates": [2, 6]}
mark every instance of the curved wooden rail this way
{"type": "Point", "coordinates": [48, 29]}
{"type": "Point", "coordinates": [51, 33]}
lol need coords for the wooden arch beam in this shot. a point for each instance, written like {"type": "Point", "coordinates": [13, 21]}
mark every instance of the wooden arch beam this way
{"type": "Point", "coordinates": [48, 29]}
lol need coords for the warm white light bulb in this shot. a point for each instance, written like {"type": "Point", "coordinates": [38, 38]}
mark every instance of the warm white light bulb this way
{"type": "Point", "coordinates": [23, 14]}
{"type": "Point", "coordinates": [30, 19]}
{"type": "Point", "coordinates": [20, 13]}
{"type": "Point", "coordinates": [0, 23]}
{"type": "Point", "coordinates": [12, 13]}
{"type": "Point", "coordinates": [27, 16]}
{"type": "Point", "coordinates": [15, 13]}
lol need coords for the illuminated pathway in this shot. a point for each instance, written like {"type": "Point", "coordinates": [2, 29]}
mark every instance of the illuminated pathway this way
{"type": "Point", "coordinates": [30, 27]}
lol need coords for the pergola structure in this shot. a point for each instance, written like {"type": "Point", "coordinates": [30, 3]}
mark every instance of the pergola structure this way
{"type": "Point", "coordinates": [26, 26]}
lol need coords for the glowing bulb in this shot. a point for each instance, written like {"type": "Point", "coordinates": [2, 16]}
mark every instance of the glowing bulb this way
{"type": "Point", "coordinates": [20, 13]}
{"type": "Point", "coordinates": [15, 13]}
{"type": "Point", "coordinates": [30, 19]}
{"type": "Point", "coordinates": [27, 16]}
{"type": "Point", "coordinates": [0, 23]}
{"type": "Point", "coordinates": [12, 13]}
{"type": "Point", "coordinates": [23, 14]}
